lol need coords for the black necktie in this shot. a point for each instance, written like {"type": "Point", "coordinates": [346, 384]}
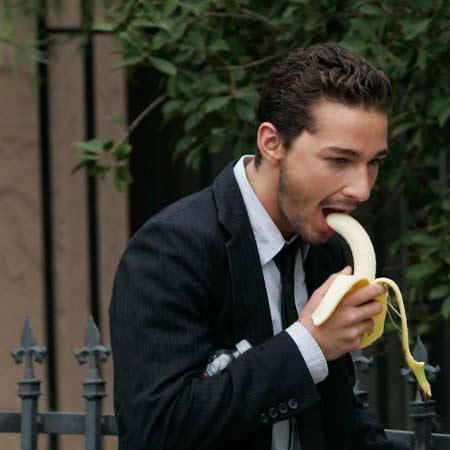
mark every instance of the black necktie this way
{"type": "Point", "coordinates": [310, 427]}
{"type": "Point", "coordinates": [285, 261]}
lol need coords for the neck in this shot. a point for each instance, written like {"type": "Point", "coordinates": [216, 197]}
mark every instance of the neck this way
{"type": "Point", "coordinates": [264, 181]}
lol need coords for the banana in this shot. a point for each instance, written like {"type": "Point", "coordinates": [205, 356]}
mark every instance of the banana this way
{"type": "Point", "coordinates": [364, 271]}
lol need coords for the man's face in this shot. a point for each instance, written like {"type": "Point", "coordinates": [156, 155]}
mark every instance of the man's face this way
{"type": "Point", "coordinates": [334, 168]}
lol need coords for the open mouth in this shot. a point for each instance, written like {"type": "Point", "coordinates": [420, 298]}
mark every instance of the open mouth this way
{"type": "Point", "coordinates": [327, 211]}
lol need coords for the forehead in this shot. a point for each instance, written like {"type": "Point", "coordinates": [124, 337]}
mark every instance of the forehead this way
{"type": "Point", "coordinates": [339, 125]}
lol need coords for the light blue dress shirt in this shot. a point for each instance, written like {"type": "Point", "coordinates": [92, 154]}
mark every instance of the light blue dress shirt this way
{"type": "Point", "coordinates": [270, 241]}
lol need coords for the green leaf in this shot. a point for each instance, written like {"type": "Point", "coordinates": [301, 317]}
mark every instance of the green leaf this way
{"type": "Point", "coordinates": [423, 329]}
{"type": "Point", "coordinates": [162, 39]}
{"type": "Point", "coordinates": [172, 86]}
{"type": "Point", "coordinates": [193, 159]}
{"type": "Point", "coordinates": [445, 309]}
{"type": "Point", "coordinates": [446, 205]}
{"type": "Point", "coordinates": [245, 112]}
{"type": "Point", "coordinates": [94, 145]}
{"type": "Point", "coordinates": [129, 61]}
{"type": "Point", "coordinates": [122, 177]}
{"type": "Point", "coordinates": [421, 60]}
{"type": "Point", "coordinates": [440, 109]}
{"type": "Point", "coordinates": [419, 271]}
{"type": "Point", "coordinates": [412, 28]}
{"type": "Point", "coordinates": [239, 73]}
{"type": "Point", "coordinates": [150, 24]}
{"type": "Point", "coordinates": [425, 240]}
{"type": "Point", "coordinates": [217, 88]}
{"type": "Point", "coordinates": [95, 170]}
{"type": "Point", "coordinates": [103, 26]}
{"type": "Point", "coordinates": [439, 292]}
{"type": "Point", "coordinates": [87, 155]}
{"type": "Point", "coordinates": [124, 173]}
{"type": "Point", "coordinates": [370, 9]}
{"type": "Point", "coordinates": [395, 247]}
{"type": "Point", "coordinates": [192, 105]}
{"type": "Point", "coordinates": [163, 66]}
{"type": "Point", "coordinates": [122, 152]}
{"type": "Point", "coordinates": [401, 128]}
{"type": "Point", "coordinates": [193, 120]}
{"type": "Point", "coordinates": [183, 144]}
{"type": "Point", "coordinates": [169, 7]}
{"type": "Point", "coordinates": [119, 118]}
{"type": "Point", "coordinates": [78, 167]}
{"type": "Point", "coordinates": [171, 106]}
{"type": "Point", "coordinates": [423, 4]}
{"type": "Point", "coordinates": [215, 103]}
{"type": "Point", "coordinates": [219, 45]}
{"type": "Point", "coordinates": [443, 117]}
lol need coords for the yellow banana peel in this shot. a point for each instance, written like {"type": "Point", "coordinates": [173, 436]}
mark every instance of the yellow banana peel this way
{"type": "Point", "coordinates": [364, 270]}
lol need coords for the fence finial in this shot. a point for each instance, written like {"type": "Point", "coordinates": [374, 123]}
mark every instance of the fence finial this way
{"type": "Point", "coordinates": [28, 350]}
{"type": "Point", "coordinates": [94, 386]}
{"type": "Point", "coordinates": [420, 353]}
{"type": "Point", "coordinates": [362, 366]}
{"type": "Point", "coordinates": [92, 351]}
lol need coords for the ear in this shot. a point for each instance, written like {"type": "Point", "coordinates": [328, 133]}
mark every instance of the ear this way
{"type": "Point", "coordinates": [270, 143]}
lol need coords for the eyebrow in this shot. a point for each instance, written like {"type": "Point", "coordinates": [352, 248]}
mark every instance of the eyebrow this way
{"type": "Point", "coordinates": [355, 153]}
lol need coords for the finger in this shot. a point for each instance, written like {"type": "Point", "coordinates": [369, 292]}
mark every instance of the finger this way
{"type": "Point", "coordinates": [322, 290]}
{"type": "Point", "coordinates": [364, 294]}
{"type": "Point", "coordinates": [363, 312]}
{"type": "Point", "coordinates": [347, 270]}
{"type": "Point", "coordinates": [365, 326]}
{"type": "Point", "coordinates": [355, 333]}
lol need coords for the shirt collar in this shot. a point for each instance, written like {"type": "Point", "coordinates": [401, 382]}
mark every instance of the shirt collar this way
{"type": "Point", "coordinates": [269, 239]}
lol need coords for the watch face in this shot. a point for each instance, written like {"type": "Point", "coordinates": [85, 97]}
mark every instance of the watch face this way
{"type": "Point", "coordinates": [218, 364]}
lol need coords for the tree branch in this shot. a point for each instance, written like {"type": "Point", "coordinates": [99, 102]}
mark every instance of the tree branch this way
{"type": "Point", "coordinates": [141, 116]}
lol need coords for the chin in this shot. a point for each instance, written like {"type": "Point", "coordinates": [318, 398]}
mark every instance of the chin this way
{"type": "Point", "coordinates": [314, 238]}
{"type": "Point", "coordinates": [322, 239]}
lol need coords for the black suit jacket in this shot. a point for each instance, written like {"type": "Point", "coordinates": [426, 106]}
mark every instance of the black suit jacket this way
{"type": "Point", "coordinates": [189, 283]}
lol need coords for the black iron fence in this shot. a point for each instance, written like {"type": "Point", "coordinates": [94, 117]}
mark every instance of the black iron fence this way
{"type": "Point", "coordinates": [29, 422]}
{"type": "Point", "coordinates": [422, 413]}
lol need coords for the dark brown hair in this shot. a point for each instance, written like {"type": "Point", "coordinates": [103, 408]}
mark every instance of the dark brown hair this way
{"type": "Point", "coordinates": [307, 75]}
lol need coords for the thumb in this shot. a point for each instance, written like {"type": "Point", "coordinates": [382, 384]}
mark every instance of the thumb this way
{"type": "Point", "coordinates": [323, 289]}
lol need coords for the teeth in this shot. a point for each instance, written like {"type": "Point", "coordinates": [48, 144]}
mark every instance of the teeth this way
{"type": "Point", "coordinates": [363, 274]}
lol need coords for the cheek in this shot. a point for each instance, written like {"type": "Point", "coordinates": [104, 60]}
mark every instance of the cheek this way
{"type": "Point", "coordinates": [373, 174]}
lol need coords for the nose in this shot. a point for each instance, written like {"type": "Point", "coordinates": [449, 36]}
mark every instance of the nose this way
{"type": "Point", "coordinates": [359, 186]}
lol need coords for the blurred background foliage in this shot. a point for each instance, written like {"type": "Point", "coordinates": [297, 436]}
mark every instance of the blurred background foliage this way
{"type": "Point", "coordinates": [212, 56]}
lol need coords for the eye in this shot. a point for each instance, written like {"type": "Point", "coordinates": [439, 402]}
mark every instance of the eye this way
{"type": "Point", "coordinates": [338, 161]}
{"type": "Point", "coordinates": [377, 162]}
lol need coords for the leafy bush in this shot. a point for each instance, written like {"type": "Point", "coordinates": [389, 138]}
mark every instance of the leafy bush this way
{"type": "Point", "coordinates": [213, 54]}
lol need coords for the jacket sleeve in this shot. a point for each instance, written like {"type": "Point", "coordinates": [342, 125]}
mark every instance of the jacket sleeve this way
{"type": "Point", "coordinates": [161, 340]}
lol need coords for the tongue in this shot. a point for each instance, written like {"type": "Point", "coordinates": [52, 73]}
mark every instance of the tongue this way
{"type": "Point", "coordinates": [327, 211]}
{"type": "Point", "coordinates": [325, 225]}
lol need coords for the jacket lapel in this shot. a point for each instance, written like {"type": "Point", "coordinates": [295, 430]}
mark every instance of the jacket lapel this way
{"type": "Point", "coordinates": [251, 313]}
{"type": "Point", "coordinates": [317, 268]}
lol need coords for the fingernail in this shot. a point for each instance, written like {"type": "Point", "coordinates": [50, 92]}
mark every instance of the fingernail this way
{"type": "Point", "coordinates": [381, 289]}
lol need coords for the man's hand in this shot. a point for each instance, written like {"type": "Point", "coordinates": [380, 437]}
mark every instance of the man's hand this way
{"type": "Point", "coordinates": [342, 332]}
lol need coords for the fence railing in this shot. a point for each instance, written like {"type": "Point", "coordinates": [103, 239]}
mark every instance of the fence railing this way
{"type": "Point", "coordinates": [422, 412]}
{"type": "Point", "coordinates": [29, 422]}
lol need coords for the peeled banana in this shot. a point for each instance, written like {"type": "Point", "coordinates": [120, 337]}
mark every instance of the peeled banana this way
{"type": "Point", "coordinates": [363, 274]}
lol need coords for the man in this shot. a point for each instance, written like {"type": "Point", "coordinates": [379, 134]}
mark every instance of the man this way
{"type": "Point", "coordinates": [204, 275]}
